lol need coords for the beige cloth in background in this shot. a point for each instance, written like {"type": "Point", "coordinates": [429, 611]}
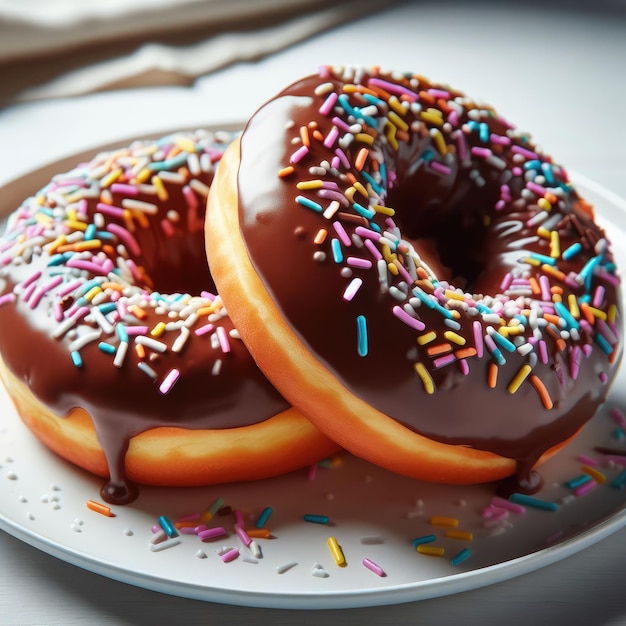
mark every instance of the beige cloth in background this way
{"type": "Point", "coordinates": [58, 48]}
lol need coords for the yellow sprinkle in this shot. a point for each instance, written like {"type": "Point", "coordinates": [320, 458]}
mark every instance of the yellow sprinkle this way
{"type": "Point", "coordinates": [75, 225]}
{"type": "Point", "coordinates": [597, 475]}
{"type": "Point", "coordinates": [92, 244]}
{"type": "Point", "coordinates": [450, 335]}
{"type": "Point", "coordinates": [396, 120]}
{"type": "Point", "coordinates": [359, 187]}
{"type": "Point", "coordinates": [309, 184]}
{"type": "Point", "coordinates": [390, 133]}
{"type": "Point", "coordinates": [453, 295]}
{"type": "Point", "coordinates": [427, 381]}
{"type": "Point", "coordinates": [206, 310]}
{"type": "Point", "coordinates": [519, 378]}
{"type": "Point", "coordinates": [612, 313]}
{"type": "Point", "coordinates": [427, 338]}
{"type": "Point", "coordinates": [440, 142]}
{"type": "Point", "coordinates": [440, 520]}
{"type": "Point", "coordinates": [336, 551]}
{"type": "Point", "coordinates": [143, 175]}
{"type": "Point", "coordinates": [429, 116]}
{"type": "Point", "coordinates": [185, 144]}
{"type": "Point", "coordinates": [110, 178]}
{"type": "Point", "coordinates": [598, 313]}
{"type": "Point", "coordinates": [464, 535]}
{"type": "Point", "coordinates": [542, 203]}
{"type": "Point", "coordinates": [385, 210]}
{"type": "Point", "coordinates": [542, 231]}
{"type": "Point", "coordinates": [349, 193]}
{"type": "Point", "coordinates": [396, 105]}
{"type": "Point", "coordinates": [431, 550]}
{"type": "Point", "coordinates": [92, 293]}
{"type": "Point", "coordinates": [58, 242]}
{"type": "Point", "coordinates": [530, 261]}
{"type": "Point", "coordinates": [160, 188]}
{"type": "Point", "coordinates": [364, 138]}
{"type": "Point", "coordinates": [573, 306]}
{"type": "Point", "coordinates": [158, 329]}
{"type": "Point", "coordinates": [393, 268]}
{"type": "Point", "coordinates": [555, 244]}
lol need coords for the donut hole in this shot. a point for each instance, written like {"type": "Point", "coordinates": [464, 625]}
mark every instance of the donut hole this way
{"type": "Point", "coordinates": [452, 235]}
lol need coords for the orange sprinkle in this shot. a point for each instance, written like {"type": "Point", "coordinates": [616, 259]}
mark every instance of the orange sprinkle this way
{"type": "Point", "coordinates": [465, 353]}
{"type": "Point", "coordinates": [304, 135]}
{"type": "Point", "coordinates": [587, 314]}
{"type": "Point", "coordinates": [553, 271]}
{"type": "Point", "coordinates": [321, 236]}
{"type": "Point", "coordinates": [361, 157]}
{"type": "Point", "coordinates": [140, 350]}
{"type": "Point", "coordinates": [541, 389]}
{"type": "Point", "coordinates": [597, 475]}
{"type": "Point", "coordinates": [464, 535]}
{"type": "Point", "coordinates": [440, 348]}
{"type": "Point", "coordinates": [534, 286]}
{"type": "Point", "coordinates": [98, 507]}
{"type": "Point", "coordinates": [441, 520]}
{"type": "Point", "coordinates": [317, 135]}
{"type": "Point", "coordinates": [492, 376]}
{"type": "Point", "coordinates": [286, 171]}
{"type": "Point", "coordinates": [259, 533]}
{"type": "Point", "coordinates": [137, 311]}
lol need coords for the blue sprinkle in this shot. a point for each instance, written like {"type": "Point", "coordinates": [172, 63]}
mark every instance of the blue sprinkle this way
{"type": "Point", "coordinates": [316, 519]}
{"type": "Point", "coordinates": [548, 173]}
{"type": "Point", "coordinates": [169, 164]}
{"type": "Point", "coordinates": [361, 324]}
{"type": "Point", "coordinates": [463, 555]}
{"type": "Point", "coordinates": [503, 342]}
{"type": "Point", "coordinates": [536, 503]}
{"type": "Point", "coordinates": [335, 246]}
{"type": "Point", "coordinates": [262, 519]}
{"type": "Point", "coordinates": [605, 346]}
{"type": "Point", "coordinates": [107, 348]}
{"type": "Point", "coordinates": [564, 314]}
{"type": "Point", "coordinates": [363, 211]}
{"type": "Point", "coordinates": [167, 526]}
{"type": "Point", "coordinates": [90, 232]}
{"type": "Point", "coordinates": [483, 132]}
{"type": "Point", "coordinates": [619, 482]}
{"type": "Point", "coordinates": [76, 358]}
{"type": "Point", "coordinates": [532, 164]}
{"type": "Point", "coordinates": [57, 259]}
{"type": "Point", "coordinates": [578, 481]}
{"type": "Point", "coordinates": [572, 251]}
{"type": "Point", "coordinates": [418, 541]}
{"type": "Point", "coordinates": [548, 260]}
{"type": "Point", "coordinates": [424, 297]}
{"type": "Point", "coordinates": [375, 186]}
{"type": "Point", "coordinates": [90, 284]}
{"type": "Point", "coordinates": [309, 204]}
{"type": "Point", "coordinates": [121, 332]}
{"type": "Point", "coordinates": [619, 433]}
{"type": "Point", "coordinates": [107, 307]}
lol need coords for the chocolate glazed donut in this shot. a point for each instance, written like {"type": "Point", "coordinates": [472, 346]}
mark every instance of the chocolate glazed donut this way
{"type": "Point", "coordinates": [450, 309]}
{"type": "Point", "coordinates": [115, 346]}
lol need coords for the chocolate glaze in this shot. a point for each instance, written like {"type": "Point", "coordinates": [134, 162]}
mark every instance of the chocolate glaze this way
{"type": "Point", "coordinates": [124, 401]}
{"type": "Point", "coordinates": [449, 209]}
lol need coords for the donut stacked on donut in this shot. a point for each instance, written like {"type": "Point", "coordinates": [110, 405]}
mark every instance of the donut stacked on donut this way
{"type": "Point", "coordinates": [116, 348]}
{"type": "Point", "coordinates": [415, 275]}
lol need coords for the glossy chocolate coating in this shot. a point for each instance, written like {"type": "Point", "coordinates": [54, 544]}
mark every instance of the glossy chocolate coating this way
{"type": "Point", "coordinates": [477, 241]}
{"type": "Point", "coordinates": [215, 390]}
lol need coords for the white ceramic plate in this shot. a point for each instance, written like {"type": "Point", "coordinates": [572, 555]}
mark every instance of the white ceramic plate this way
{"type": "Point", "coordinates": [373, 514]}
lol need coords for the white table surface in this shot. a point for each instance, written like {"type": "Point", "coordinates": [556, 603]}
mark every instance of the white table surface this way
{"type": "Point", "coordinates": [558, 73]}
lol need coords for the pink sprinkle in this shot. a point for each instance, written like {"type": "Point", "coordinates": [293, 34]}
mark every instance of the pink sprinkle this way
{"type": "Point", "coordinates": [367, 233]}
{"type": "Point", "coordinates": [132, 331]}
{"type": "Point", "coordinates": [230, 555]}
{"type": "Point", "coordinates": [222, 337]}
{"type": "Point", "coordinates": [373, 567]}
{"type": "Point", "coordinates": [109, 209]}
{"type": "Point", "coordinates": [299, 154]}
{"type": "Point", "coordinates": [440, 168]}
{"type": "Point", "coordinates": [169, 381]}
{"type": "Point", "coordinates": [598, 296]}
{"type": "Point", "coordinates": [211, 533]}
{"type": "Point", "coordinates": [69, 288]}
{"type": "Point", "coordinates": [618, 417]}
{"type": "Point", "coordinates": [353, 261]}
{"type": "Point", "coordinates": [587, 460]}
{"type": "Point", "coordinates": [464, 367]}
{"type": "Point", "coordinates": [6, 298]}
{"type": "Point", "coordinates": [328, 104]}
{"type": "Point", "coordinates": [409, 320]}
{"type": "Point", "coordinates": [329, 140]}
{"type": "Point", "coordinates": [481, 152]}
{"type": "Point", "coordinates": [373, 250]}
{"type": "Point", "coordinates": [311, 472]}
{"type": "Point", "coordinates": [394, 88]}
{"type": "Point", "coordinates": [478, 338]}
{"type": "Point", "coordinates": [238, 517]}
{"type": "Point", "coordinates": [31, 279]}
{"type": "Point", "coordinates": [343, 158]}
{"type": "Point", "coordinates": [126, 237]}
{"type": "Point", "coordinates": [89, 266]}
{"type": "Point", "coordinates": [544, 283]}
{"type": "Point", "coordinates": [127, 190]}
{"type": "Point", "coordinates": [341, 233]}
{"type": "Point", "coordinates": [461, 147]}
{"type": "Point", "coordinates": [167, 227]}
{"type": "Point", "coordinates": [243, 535]}
{"type": "Point", "coordinates": [585, 488]}
{"type": "Point", "coordinates": [28, 292]}
{"type": "Point", "coordinates": [55, 282]}
{"type": "Point", "coordinates": [351, 290]}
{"type": "Point", "coordinates": [203, 330]}
{"type": "Point", "coordinates": [188, 530]}
{"type": "Point", "coordinates": [501, 140]}
{"type": "Point", "coordinates": [506, 281]}
{"type": "Point", "coordinates": [529, 154]}
{"type": "Point", "coordinates": [453, 118]}
{"type": "Point", "coordinates": [535, 188]}
{"type": "Point", "coordinates": [190, 197]}
{"type": "Point", "coordinates": [503, 503]}
{"type": "Point", "coordinates": [442, 361]}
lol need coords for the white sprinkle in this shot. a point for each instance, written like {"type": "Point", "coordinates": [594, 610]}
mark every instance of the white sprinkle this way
{"type": "Point", "coordinates": [164, 545]}
{"type": "Point", "coordinates": [153, 344]}
{"type": "Point", "coordinates": [281, 569]}
{"type": "Point", "coordinates": [120, 354]}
